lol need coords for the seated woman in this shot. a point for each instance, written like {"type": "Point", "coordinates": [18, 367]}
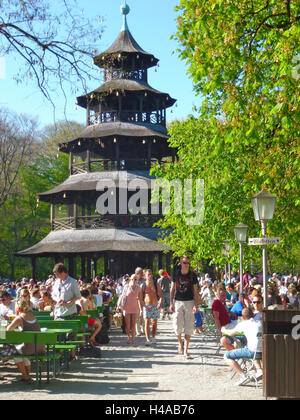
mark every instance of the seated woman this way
{"type": "Point", "coordinates": [46, 303]}
{"type": "Point", "coordinates": [25, 321]}
{"type": "Point", "coordinates": [25, 295]}
{"type": "Point", "coordinates": [85, 303]}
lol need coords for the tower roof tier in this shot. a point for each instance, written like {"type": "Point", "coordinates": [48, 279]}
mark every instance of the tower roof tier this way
{"type": "Point", "coordinates": [122, 52]}
{"type": "Point", "coordinates": [116, 129]}
{"type": "Point", "coordinates": [89, 182]}
{"type": "Point", "coordinates": [97, 240]}
{"type": "Point", "coordinates": [122, 87]}
{"type": "Point", "coordinates": [125, 52]}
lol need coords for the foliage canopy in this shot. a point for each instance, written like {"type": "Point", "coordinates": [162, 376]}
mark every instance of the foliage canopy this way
{"type": "Point", "coordinates": [243, 59]}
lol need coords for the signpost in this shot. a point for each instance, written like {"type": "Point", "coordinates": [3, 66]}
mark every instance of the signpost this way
{"type": "Point", "coordinates": [264, 241]}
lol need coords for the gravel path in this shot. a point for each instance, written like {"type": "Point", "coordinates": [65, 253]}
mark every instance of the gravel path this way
{"type": "Point", "coordinates": [141, 373]}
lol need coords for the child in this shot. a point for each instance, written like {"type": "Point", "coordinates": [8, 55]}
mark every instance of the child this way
{"type": "Point", "coordinates": [84, 304]}
{"type": "Point", "coordinates": [198, 323]}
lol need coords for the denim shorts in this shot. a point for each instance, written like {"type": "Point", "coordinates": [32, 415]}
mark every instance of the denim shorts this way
{"type": "Point", "coordinates": [243, 353]}
{"type": "Point", "coordinates": [230, 339]}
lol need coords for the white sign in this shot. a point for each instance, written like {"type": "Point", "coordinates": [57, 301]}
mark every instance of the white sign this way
{"type": "Point", "coordinates": [264, 241]}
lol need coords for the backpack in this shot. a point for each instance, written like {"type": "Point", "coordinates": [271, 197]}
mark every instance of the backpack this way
{"type": "Point", "coordinates": [90, 352]}
{"type": "Point", "coordinates": [102, 336]}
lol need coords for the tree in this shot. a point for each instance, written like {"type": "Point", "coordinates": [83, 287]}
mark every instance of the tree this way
{"type": "Point", "coordinates": [241, 57]}
{"type": "Point", "coordinates": [51, 40]}
{"type": "Point", "coordinates": [24, 221]}
{"type": "Point", "coordinates": [17, 138]}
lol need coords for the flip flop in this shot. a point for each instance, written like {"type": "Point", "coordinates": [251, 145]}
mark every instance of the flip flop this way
{"type": "Point", "coordinates": [180, 350]}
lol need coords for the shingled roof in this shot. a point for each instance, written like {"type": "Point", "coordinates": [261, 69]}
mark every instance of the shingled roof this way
{"type": "Point", "coordinates": [123, 85]}
{"type": "Point", "coordinates": [89, 181]}
{"type": "Point", "coordinates": [96, 240]}
{"type": "Point", "coordinates": [123, 129]}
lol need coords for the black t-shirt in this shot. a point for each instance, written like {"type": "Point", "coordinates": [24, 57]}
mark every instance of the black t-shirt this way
{"type": "Point", "coordinates": [184, 285]}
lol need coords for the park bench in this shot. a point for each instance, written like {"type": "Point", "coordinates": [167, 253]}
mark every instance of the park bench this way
{"type": "Point", "coordinates": [49, 339]}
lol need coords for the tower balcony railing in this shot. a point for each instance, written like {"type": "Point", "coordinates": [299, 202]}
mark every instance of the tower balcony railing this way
{"type": "Point", "coordinates": [123, 74]}
{"type": "Point", "coordinates": [104, 222]}
{"type": "Point", "coordinates": [126, 116]}
{"type": "Point", "coordinates": [100, 165]}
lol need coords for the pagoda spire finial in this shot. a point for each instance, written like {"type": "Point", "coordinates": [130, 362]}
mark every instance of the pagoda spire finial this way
{"type": "Point", "coordinates": [125, 9]}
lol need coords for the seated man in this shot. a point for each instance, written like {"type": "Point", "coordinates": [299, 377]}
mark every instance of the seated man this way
{"type": "Point", "coordinates": [233, 295]}
{"type": "Point", "coordinates": [7, 306]}
{"type": "Point", "coordinates": [252, 331]}
{"type": "Point", "coordinates": [35, 298]}
{"type": "Point", "coordinates": [222, 317]}
{"type": "Point", "coordinates": [239, 305]}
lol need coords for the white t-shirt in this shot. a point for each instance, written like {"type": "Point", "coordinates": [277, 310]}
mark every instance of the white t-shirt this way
{"type": "Point", "coordinates": [7, 311]}
{"type": "Point", "coordinates": [35, 302]}
{"type": "Point", "coordinates": [283, 290]}
{"type": "Point", "coordinates": [206, 292]}
{"type": "Point", "coordinates": [251, 329]}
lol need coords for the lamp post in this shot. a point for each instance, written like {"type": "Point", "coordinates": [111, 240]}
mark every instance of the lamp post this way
{"type": "Point", "coordinates": [240, 232]}
{"type": "Point", "coordinates": [263, 207]}
{"type": "Point", "coordinates": [226, 251]}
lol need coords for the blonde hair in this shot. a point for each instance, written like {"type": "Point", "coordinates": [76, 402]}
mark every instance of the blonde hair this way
{"type": "Point", "coordinates": [161, 272]}
{"type": "Point", "coordinates": [292, 290]}
{"type": "Point", "coordinates": [23, 292]}
{"type": "Point", "coordinates": [23, 306]}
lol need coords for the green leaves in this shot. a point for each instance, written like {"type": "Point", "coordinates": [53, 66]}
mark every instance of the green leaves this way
{"type": "Point", "coordinates": [23, 222]}
{"type": "Point", "coordinates": [240, 57]}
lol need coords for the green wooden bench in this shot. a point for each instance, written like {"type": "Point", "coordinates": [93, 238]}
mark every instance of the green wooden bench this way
{"type": "Point", "coordinates": [92, 313]}
{"type": "Point", "coordinates": [76, 325]}
{"type": "Point", "coordinates": [49, 339]}
{"type": "Point", "coordinates": [41, 313]}
{"type": "Point", "coordinates": [100, 309]}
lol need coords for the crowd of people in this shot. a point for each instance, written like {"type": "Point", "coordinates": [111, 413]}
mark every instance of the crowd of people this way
{"type": "Point", "coordinates": [143, 299]}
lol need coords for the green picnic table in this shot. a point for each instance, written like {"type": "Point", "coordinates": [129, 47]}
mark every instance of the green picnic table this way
{"type": "Point", "coordinates": [49, 339]}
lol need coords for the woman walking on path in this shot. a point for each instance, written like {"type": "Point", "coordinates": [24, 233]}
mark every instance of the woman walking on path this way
{"type": "Point", "coordinates": [132, 307]}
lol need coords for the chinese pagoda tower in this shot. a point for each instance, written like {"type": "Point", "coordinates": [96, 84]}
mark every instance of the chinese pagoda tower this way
{"type": "Point", "coordinates": [125, 136]}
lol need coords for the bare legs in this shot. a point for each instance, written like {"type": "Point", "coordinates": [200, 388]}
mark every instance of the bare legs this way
{"type": "Point", "coordinates": [147, 328]}
{"type": "Point", "coordinates": [233, 364]}
{"type": "Point", "coordinates": [184, 345]}
{"type": "Point", "coordinates": [24, 370]}
{"type": "Point", "coordinates": [97, 330]}
{"type": "Point", "coordinates": [130, 327]}
{"type": "Point", "coordinates": [226, 344]}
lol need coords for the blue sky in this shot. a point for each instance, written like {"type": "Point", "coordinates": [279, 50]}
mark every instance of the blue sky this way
{"type": "Point", "coordinates": [151, 23]}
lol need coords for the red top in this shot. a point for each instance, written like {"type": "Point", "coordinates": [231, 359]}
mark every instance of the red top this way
{"type": "Point", "coordinates": [218, 306]}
